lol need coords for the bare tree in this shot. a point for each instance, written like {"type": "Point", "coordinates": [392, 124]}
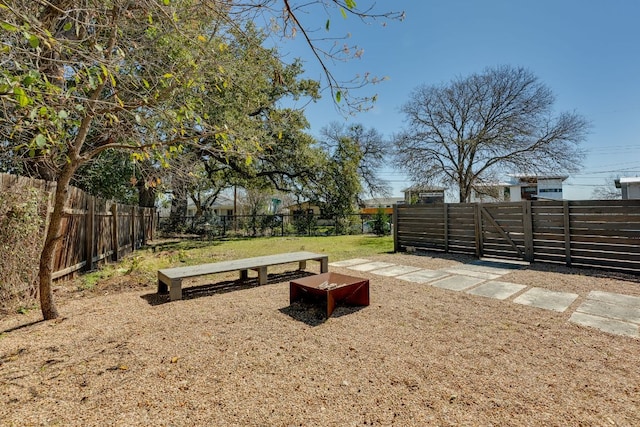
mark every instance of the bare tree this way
{"type": "Point", "coordinates": [608, 190]}
{"type": "Point", "coordinates": [474, 129]}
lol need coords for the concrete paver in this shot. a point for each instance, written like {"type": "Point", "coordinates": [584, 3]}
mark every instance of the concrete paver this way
{"type": "Point", "coordinates": [349, 262]}
{"type": "Point", "coordinates": [485, 269]}
{"type": "Point", "coordinates": [546, 299]}
{"type": "Point", "coordinates": [457, 283]}
{"type": "Point", "coordinates": [619, 299]}
{"type": "Point", "coordinates": [498, 290]}
{"type": "Point", "coordinates": [396, 270]}
{"type": "Point", "coordinates": [371, 266]}
{"type": "Point", "coordinates": [472, 273]}
{"type": "Point", "coordinates": [612, 311]}
{"type": "Point", "coordinates": [607, 325]}
{"type": "Point", "coordinates": [423, 276]}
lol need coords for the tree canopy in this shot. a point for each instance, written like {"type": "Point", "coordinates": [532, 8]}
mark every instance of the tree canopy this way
{"type": "Point", "coordinates": [79, 78]}
{"type": "Point", "coordinates": [474, 129]}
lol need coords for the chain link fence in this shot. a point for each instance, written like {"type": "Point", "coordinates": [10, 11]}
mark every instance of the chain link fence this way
{"type": "Point", "coordinates": [305, 224]}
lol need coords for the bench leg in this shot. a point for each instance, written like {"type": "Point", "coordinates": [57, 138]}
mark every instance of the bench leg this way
{"type": "Point", "coordinates": [162, 287]}
{"type": "Point", "coordinates": [244, 274]}
{"type": "Point", "coordinates": [324, 265]}
{"type": "Point", "coordinates": [262, 275]}
{"type": "Point", "coordinates": [303, 265]}
{"type": "Point", "coordinates": [175, 292]}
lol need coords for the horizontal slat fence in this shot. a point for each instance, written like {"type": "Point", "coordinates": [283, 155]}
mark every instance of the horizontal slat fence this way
{"type": "Point", "coordinates": [93, 229]}
{"type": "Point", "coordinates": [588, 233]}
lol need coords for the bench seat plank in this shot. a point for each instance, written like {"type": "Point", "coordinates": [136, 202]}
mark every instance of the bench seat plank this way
{"type": "Point", "coordinates": [171, 278]}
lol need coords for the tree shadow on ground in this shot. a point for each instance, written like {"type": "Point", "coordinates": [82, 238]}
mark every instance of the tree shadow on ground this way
{"type": "Point", "coordinates": [583, 271]}
{"type": "Point", "coordinates": [22, 326]}
{"type": "Point", "coordinates": [210, 289]}
{"type": "Point", "coordinates": [534, 266]}
{"type": "Point", "coordinates": [183, 244]}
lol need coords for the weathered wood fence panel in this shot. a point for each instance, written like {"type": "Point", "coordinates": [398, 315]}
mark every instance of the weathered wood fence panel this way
{"type": "Point", "coordinates": [590, 233]}
{"type": "Point", "coordinates": [93, 229]}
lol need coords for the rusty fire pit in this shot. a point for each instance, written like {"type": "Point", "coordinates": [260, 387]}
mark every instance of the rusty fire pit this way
{"type": "Point", "coordinates": [333, 287]}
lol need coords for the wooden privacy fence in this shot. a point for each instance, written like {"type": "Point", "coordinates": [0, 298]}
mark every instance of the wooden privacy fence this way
{"type": "Point", "coordinates": [93, 229]}
{"type": "Point", "coordinates": [588, 233]}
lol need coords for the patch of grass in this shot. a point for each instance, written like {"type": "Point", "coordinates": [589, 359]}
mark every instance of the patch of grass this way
{"type": "Point", "coordinates": [25, 310]}
{"type": "Point", "coordinates": [337, 247]}
{"type": "Point", "coordinates": [90, 280]}
{"type": "Point", "coordinates": [147, 262]}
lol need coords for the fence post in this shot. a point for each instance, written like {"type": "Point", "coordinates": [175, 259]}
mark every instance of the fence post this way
{"type": "Point", "coordinates": [395, 227]}
{"type": "Point", "coordinates": [142, 228]}
{"type": "Point", "coordinates": [114, 232]}
{"type": "Point", "coordinates": [527, 223]}
{"type": "Point", "coordinates": [132, 232]}
{"type": "Point", "coordinates": [567, 232]}
{"type": "Point", "coordinates": [446, 227]}
{"type": "Point", "coordinates": [89, 232]}
{"type": "Point", "coordinates": [477, 219]}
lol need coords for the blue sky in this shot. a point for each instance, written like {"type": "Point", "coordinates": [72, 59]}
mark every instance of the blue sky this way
{"type": "Point", "coordinates": [586, 51]}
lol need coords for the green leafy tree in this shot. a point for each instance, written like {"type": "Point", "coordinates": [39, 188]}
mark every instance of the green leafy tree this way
{"type": "Point", "coordinates": [380, 223]}
{"type": "Point", "coordinates": [339, 184]}
{"type": "Point", "coordinates": [109, 75]}
{"type": "Point", "coordinates": [373, 152]}
{"type": "Point", "coordinates": [111, 175]}
{"type": "Point", "coordinates": [79, 78]}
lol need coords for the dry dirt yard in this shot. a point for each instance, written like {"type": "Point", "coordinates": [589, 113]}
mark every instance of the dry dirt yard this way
{"type": "Point", "coordinates": [231, 355]}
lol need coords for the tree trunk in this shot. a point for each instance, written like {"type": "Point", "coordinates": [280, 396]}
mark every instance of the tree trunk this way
{"type": "Point", "coordinates": [178, 204]}
{"type": "Point", "coordinates": [146, 196]}
{"type": "Point", "coordinates": [52, 239]}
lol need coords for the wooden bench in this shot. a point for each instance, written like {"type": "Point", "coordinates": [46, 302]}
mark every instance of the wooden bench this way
{"type": "Point", "coordinates": [170, 279]}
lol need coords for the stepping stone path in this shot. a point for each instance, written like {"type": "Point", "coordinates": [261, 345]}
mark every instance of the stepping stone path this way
{"type": "Point", "coordinates": [614, 313]}
{"type": "Point", "coordinates": [544, 298]}
{"type": "Point", "coordinates": [499, 290]}
{"type": "Point", "coordinates": [609, 312]}
{"type": "Point", "coordinates": [423, 276]}
{"type": "Point", "coordinates": [371, 266]}
{"type": "Point", "coordinates": [457, 283]}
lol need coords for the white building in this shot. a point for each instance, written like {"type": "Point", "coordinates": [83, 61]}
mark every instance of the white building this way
{"type": "Point", "coordinates": [491, 193]}
{"type": "Point", "coordinates": [630, 187]}
{"type": "Point", "coordinates": [521, 187]}
{"type": "Point", "coordinates": [223, 206]}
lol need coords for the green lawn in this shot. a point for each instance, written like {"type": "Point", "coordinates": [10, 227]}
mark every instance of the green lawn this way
{"type": "Point", "coordinates": [147, 261]}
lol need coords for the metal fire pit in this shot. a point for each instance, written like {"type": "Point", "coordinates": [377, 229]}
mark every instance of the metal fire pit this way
{"type": "Point", "coordinates": [333, 288]}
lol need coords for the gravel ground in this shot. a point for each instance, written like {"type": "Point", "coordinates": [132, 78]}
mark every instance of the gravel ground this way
{"type": "Point", "coordinates": [237, 355]}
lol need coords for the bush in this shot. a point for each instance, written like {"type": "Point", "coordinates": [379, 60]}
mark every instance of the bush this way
{"type": "Point", "coordinates": [22, 220]}
{"type": "Point", "coordinates": [380, 223]}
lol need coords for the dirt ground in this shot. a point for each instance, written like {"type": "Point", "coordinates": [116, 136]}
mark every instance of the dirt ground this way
{"type": "Point", "coordinates": [238, 355]}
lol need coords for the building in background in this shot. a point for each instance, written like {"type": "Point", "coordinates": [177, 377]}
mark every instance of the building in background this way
{"type": "Point", "coordinates": [520, 187]}
{"type": "Point", "coordinates": [371, 206]}
{"type": "Point", "coordinates": [419, 195]}
{"type": "Point", "coordinates": [491, 193]}
{"type": "Point", "coordinates": [536, 187]}
{"type": "Point", "coordinates": [630, 187]}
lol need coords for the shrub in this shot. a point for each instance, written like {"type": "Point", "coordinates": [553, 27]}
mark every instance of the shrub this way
{"type": "Point", "coordinates": [22, 220]}
{"type": "Point", "coordinates": [380, 223]}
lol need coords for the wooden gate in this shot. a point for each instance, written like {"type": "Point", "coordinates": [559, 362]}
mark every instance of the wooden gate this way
{"type": "Point", "coordinates": [504, 230]}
